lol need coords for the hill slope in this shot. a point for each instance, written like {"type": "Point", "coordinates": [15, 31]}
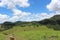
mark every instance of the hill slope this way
{"type": "Point", "coordinates": [53, 22]}
{"type": "Point", "coordinates": [40, 30]}
{"type": "Point", "coordinates": [30, 33]}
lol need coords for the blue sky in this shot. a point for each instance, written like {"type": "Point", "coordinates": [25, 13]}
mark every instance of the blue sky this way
{"type": "Point", "coordinates": [36, 6]}
{"type": "Point", "coordinates": [27, 10]}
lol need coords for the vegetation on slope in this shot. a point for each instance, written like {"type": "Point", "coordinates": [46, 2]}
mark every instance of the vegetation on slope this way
{"type": "Point", "coordinates": [31, 33]}
{"type": "Point", "coordinates": [40, 30]}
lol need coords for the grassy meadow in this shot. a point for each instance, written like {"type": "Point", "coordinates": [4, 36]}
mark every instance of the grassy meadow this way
{"type": "Point", "coordinates": [31, 33]}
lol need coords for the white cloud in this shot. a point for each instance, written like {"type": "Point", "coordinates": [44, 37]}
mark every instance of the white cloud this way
{"type": "Point", "coordinates": [26, 17]}
{"type": "Point", "coordinates": [46, 15]}
{"type": "Point", "coordinates": [54, 5]}
{"type": "Point", "coordinates": [22, 3]}
{"type": "Point", "coordinates": [13, 19]}
{"type": "Point", "coordinates": [12, 3]}
{"type": "Point", "coordinates": [3, 18]}
{"type": "Point", "coordinates": [19, 12]}
{"type": "Point", "coordinates": [3, 3]}
{"type": "Point", "coordinates": [18, 15]}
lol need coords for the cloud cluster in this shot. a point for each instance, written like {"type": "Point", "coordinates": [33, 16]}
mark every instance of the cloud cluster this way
{"type": "Point", "coordinates": [19, 15]}
{"type": "Point", "coordinates": [3, 18]}
{"type": "Point", "coordinates": [54, 5]}
{"type": "Point", "coordinates": [13, 3]}
{"type": "Point", "coordinates": [26, 16]}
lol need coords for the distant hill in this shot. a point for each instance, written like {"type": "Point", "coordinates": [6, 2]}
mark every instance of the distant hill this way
{"type": "Point", "coordinates": [53, 22]}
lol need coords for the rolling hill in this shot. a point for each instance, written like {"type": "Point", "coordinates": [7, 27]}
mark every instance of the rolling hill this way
{"type": "Point", "coordinates": [47, 29]}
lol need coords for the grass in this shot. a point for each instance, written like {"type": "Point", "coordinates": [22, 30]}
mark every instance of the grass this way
{"type": "Point", "coordinates": [31, 33]}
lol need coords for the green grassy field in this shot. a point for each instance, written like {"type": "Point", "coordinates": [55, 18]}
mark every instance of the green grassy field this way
{"type": "Point", "coordinates": [31, 33]}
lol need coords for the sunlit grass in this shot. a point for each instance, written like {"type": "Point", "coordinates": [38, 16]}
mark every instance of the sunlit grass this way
{"type": "Point", "coordinates": [31, 33]}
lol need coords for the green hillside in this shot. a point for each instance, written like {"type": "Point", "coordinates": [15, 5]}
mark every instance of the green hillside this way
{"type": "Point", "coordinates": [31, 33]}
{"type": "Point", "coordinates": [48, 29]}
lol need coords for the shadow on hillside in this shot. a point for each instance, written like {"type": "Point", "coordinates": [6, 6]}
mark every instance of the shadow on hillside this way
{"type": "Point", "coordinates": [55, 27]}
